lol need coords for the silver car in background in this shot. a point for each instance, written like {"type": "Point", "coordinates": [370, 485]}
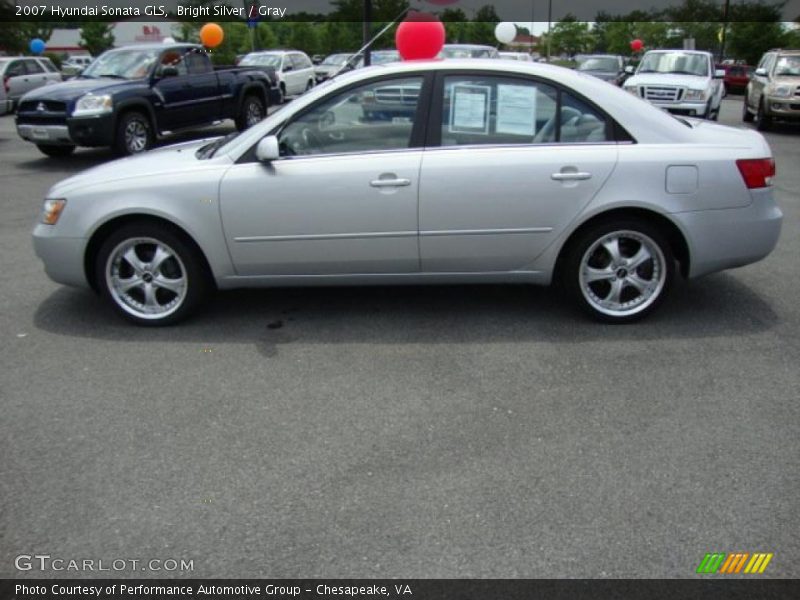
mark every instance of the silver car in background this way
{"type": "Point", "coordinates": [496, 172]}
{"type": "Point", "coordinates": [19, 75]}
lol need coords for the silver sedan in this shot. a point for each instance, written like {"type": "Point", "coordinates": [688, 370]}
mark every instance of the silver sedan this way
{"type": "Point", "coordinates": [424, 172]}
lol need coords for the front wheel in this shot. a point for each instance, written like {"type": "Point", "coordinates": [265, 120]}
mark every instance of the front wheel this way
{"type": "Point", "coordinates": [134, 134]}
{"type": "Point", "coordinates": [747, 116]}
{"type": "Point", "coordinates": [150, 274]}
{"type": "Point", "coordinates": [251, 113]}
{"type": "Point", "coordinates": [56, 151]}
{"type": "Point", "coordinates": [763, 121]}
{"type": "Point", "coordinates": [619, 271]}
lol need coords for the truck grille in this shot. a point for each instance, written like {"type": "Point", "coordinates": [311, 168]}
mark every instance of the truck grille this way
{"type": "Point", "coordinates": [42, 112]}
{"type": "Point", "coordinates": [661, 93]}
{"type": "Point", "coordinates": [397, 95]}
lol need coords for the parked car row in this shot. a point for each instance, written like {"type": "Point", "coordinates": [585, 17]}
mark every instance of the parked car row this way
{"type": "Point", "coordinates": [774, 90]}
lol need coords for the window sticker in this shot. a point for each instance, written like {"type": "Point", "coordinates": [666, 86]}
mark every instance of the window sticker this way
{"type": "Point", "coordinates": [469, 108]}
{"type": "Point", "coordinates": [516, 109]}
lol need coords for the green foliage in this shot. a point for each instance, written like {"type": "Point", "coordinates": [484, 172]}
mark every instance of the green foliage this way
{"type": "Point", "coordinates": [571, 37]}
{"type": "Point", "coordinates": [96, 37]}
{"type": "Point", "coordinates": [54, 58]}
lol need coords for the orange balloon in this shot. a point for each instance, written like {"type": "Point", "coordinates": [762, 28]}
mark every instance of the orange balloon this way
{"type": "Point", "coordinates": [211, 35]}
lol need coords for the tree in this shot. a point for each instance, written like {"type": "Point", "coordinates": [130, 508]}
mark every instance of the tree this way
{"type": "Point", "coordinates": [97, 37]}
{"type": "Point", "coordinates": [481, 29]}
{"type": "Point", "coordinates": [755, 29]}
{"type": "Point", "coordinates": [571, 36]}
{"type": "Point", "coordinates": [456, 26]}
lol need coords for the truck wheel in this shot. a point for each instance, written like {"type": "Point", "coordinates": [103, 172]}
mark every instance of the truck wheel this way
{"type": "Point", "coordinates": [282, 93]}
{"type": "Point", "coordinates": [251, 113]}
{"type": "Point", "coordinates": [747, 116]}
{"type": "Point", "coordinates": [763, 122]}
{"type": "Point", "coordinates": [56, 151]}
{"type": "Point", "coordinates": [134, 134]}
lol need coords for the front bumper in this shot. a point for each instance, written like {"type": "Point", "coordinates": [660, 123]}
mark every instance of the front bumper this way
{"type": "Point", "coordinates": [82, 131]}
{"type": "Point", "coordinates": [729, 238]}
{"type": "Point", "coordinates": [62, 256]}
{"type": "Point", "coordinates": [687, 109]}
{"type": "Point", "coordinates": [783, 108]}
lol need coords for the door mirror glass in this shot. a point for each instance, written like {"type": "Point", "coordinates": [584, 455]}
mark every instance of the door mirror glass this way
{"type": "Point", "coordinates": [629, 69]}
{"type": "Point", "coordinates": [719, 74]}
{"type": "Point", "coordinates": [267, 149]}
{"type": "Point", "coordinates": [761, 72]}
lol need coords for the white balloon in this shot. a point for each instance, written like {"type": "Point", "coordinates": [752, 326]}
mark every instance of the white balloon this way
{"type": "Point", "coordinates": [505, 32]}
{"type": "Point", "coordinates": [168, 40]}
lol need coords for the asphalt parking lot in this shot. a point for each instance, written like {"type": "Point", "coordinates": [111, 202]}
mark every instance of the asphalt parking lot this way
{"type": "Point", "coordinates": [460, 431]}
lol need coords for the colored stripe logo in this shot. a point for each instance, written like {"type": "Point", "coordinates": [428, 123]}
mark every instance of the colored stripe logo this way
{"type": "Point", "coordinates": [736, 562]}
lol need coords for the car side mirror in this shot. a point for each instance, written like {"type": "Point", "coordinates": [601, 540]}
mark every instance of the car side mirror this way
{"type": "Point", "coordinates": [287, 68]}
{"type": "Point", "coordinates": [761, 72]}
{"type": "Point", "coordinates": [267, 149]}
{"type": "Point", "coordinates": [169, 71]}
{"type": "Point", "coordinates": [719, 74]}
{"type": "Point", "coordinates": [629, 69]}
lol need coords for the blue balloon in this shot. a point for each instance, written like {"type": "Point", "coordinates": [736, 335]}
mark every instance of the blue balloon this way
{"type": "Point", "coordinates": [37, 46]}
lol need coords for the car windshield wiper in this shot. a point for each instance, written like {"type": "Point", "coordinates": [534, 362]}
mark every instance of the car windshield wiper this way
{"type": "Point", "coordinates": [209, 150]}
{"type": "Point", "coordinates": [687, 73]}
{"type": "Point", "coordinates": [111, 75]}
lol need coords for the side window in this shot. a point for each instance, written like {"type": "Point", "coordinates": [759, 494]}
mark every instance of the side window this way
{"type": "Point", "coordinates": [372, 117]}
{"type": "Point", "coordinates": [580, 123]}
{"type": "Point", "coordinates": [15, 69]}
{"type": "Point", "coordinates": [48, 66]}
{"type": "Point", "coordinates": [197, 64]}
{"type": "Point", "coordinates": [173, 58]}
{"type": "Point", "coordinates": [298, 62]}
{"type": "Point", "coordinates": [33, 67]}
{"type": "Point", "coordinates": [497, 110]}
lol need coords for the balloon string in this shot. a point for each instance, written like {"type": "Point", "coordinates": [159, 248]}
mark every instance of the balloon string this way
{"type": "Point", "coordinates": [372, 41]}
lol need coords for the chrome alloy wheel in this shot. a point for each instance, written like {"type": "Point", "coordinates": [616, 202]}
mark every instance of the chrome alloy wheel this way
{"type": "Point", "coordinates": [146, 278]}
{"type": "Point", "coordinates": [254, 114]}
{"type": "Point", "coordinates": [622, 273]}
{"type": "Point", "coordinates": [136, 136]}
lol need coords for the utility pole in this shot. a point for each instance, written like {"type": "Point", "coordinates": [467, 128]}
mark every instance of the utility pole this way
{"type": "Point", "coordinates": [549, 22]}
{"type": "Point", "coordinates": [366, 32]}
{"type": "Point", "coordinates": [724, 32]}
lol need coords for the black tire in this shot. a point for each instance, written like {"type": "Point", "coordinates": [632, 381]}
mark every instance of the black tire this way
{"type": "Point", "coordinates": [763, 122]}
{"type": "Point", "coordinates": [252, 111]}
{"type": "Point", "coordinates": [310, 84]}
{"type": "Point", "coordinates": [186, 266]}
{"type": "Point", "coordinates": [282, 90]}
{"type": "Point", "coordinates": [56, 151]}
{"type": "Point", "coordinates": [747, 116]}
{"type": "Point", "coordinates": [632, 231]}
{"type": "Point", "coordinates": [141, 136]}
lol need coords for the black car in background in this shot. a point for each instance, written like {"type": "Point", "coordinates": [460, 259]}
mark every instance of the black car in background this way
{"type": "Point", "coordinates": [129, 96]}
{"type": "Point", "coordinates": [608, 67]}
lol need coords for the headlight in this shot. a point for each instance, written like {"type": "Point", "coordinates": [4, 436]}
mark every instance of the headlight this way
{"type": "Point", "coordinates": [779, 91]}
{"type": "Point", "coordinates": [90, 104]}
{"type": "Point", "coordinates": [52, 209]}
{"type": "Point", "coordinates": [695, 95]}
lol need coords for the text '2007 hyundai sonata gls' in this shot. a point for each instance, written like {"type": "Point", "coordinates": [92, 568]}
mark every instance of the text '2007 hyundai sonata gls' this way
{"type": "Point", "coordinates": [424, 172]}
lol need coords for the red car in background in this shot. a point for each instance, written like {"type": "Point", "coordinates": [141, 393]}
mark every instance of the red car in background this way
{"type": "Point", "coordinates": [736, 77]}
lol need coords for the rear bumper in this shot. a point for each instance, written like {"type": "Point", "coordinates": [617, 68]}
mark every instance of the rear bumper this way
{"type": "Point", "coordinates": [725, 239]}
{"type": "Point", "coordinates": [62, 256]}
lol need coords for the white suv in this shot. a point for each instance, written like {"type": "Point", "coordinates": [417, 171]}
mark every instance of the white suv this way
{"type": "Point", "coordinates": [294, 69]}
{"type": "Point", "coordinates": [683, 82]}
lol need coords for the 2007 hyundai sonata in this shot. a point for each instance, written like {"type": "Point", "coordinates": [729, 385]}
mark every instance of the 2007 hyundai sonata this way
{"type": "Point", "coordinates": [424, 172]}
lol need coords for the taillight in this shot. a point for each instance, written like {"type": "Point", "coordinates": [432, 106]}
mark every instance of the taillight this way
{"type": "Point", "coordinates": [757, 172]}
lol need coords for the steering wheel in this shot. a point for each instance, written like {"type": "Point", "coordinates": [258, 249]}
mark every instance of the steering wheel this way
{"type": "Point", "coordinates": [310, 138]}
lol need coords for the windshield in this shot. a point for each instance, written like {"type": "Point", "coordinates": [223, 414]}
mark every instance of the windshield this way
{"type": "Point", "coordinates": [261, 60]}
{"type": "Point", "coordinates": [336, 59]}
{"type": "Point", "coordinates": [682, 63]}
{"type": "Point", "coordinates": [599, 63]}
{"type": "Point", "coordinates": [123, 64]}
{"type": "Point", "coordinates": [380, 58]}
{"type": "Point", "coordinates": [788, 66]}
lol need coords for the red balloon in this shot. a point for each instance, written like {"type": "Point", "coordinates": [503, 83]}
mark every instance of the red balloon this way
{"type": "Point", "coordinates": [420, 36]}
{"type": "Point", "coordinates": [637, 45]}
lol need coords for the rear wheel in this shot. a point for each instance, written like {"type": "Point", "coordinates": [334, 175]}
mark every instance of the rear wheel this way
{"type": "Point", "coordinates": [150, 274]}
{"type": "Point", "coordinates": [56, 151]}
{"type": "Point", "coordinates": [618, 271]}
{"type": "Point", "coordinates": [134, 134]}
{"type": "Point", "coordinates": [282, 93]}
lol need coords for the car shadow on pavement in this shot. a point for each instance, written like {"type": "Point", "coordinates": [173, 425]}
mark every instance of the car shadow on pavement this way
{"type": "Point", "coordinates": [719, 305]}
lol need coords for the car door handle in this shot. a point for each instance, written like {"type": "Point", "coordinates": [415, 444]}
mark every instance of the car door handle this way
{"type": "Point", "coordinates": [570, 176]}
{"type": "Point", "coordinates": [382, 183]}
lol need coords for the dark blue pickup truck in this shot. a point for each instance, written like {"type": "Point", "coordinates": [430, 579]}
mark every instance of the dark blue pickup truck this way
{"type": "Point", "coordinates": [129, 96]}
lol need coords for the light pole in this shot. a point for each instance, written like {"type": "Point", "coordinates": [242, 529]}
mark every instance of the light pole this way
{"type": "Point", "coordinates": [366, 31]}
{"type": "Point", "coordinates": [549, 22]}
